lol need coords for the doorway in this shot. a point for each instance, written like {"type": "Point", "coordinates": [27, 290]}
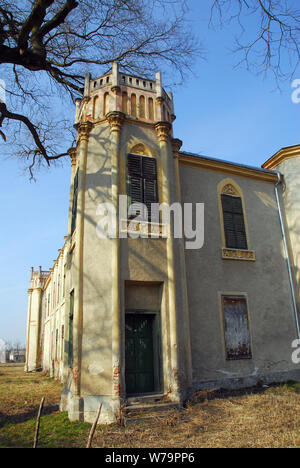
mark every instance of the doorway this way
{"type": "Point", "coordinates": [142, 352]}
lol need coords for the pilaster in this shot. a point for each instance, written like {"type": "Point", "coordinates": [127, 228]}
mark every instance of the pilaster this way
{"type": "Point", "coordinates": [115, 120]}
{"type": "Point", "coordinates": [163, 134]}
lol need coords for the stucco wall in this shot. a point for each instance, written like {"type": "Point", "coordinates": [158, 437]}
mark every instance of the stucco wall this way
{"type": "Point", "coordinates": [264, 282]}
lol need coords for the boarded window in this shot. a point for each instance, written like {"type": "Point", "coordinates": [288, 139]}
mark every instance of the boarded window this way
{"type": "Point", "coordinates": [236, 328]}
{"type": "Point", "coordinates": [142, 186]}
{"type": "Point", "coordinates": [234, 223]}
{"type": "Point", "coordinates": [74, 205]}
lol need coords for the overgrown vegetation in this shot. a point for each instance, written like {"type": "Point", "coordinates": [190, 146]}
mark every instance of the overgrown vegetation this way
{"type": "Point", "coordinates": [258, 417]}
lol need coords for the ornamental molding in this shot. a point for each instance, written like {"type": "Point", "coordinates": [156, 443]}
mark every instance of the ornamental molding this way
{"type": "Point", "coordinates": [229, 189]}
{"type": "Point", "coordinates": [163, 130]}
{"type": "Point", "coordinates": [134, 228]}
{"type": "Point", "coordinates": [237, 254]}
{"type": "Point", "coordinates": [176, 145]}
{"type": "Point", "coordinates": [72, 154]}
{"type": "Point", "coordinates": [84, 129]}
{"type": "Point", "coordinates": [115, 120]}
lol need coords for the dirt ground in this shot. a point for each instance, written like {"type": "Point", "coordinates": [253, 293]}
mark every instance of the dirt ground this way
{"type": "Point", "coordinates": [257, 417]}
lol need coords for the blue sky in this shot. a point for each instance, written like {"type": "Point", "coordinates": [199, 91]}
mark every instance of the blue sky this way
{"type": "Point", "coordinates": [221, 112]}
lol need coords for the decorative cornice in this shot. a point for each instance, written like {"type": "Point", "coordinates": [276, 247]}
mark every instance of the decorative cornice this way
{"type": "Point", "coordinates": [281, 155]}
{"type": "Point", "coordinates": [176, 145]}
{"type": "Point", "coordinates": [236, 254]}
{"type": "Point", "coordinates": [163, 130]}
{"type": "Point", "coordinates": [226, 168]}
{"type": "Point", "coordinates": [115, 120]}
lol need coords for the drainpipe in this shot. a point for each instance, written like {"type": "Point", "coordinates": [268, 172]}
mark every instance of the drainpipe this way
{"type": "Point", "coordinates": [287, 253]}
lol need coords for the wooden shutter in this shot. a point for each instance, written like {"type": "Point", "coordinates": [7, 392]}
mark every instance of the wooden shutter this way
{"type": "Point", "coordinates": [150, 186]}
{"type": "Point", "coordinates": [135, 184]}
{"type": "Point", "coordinates": [142, 184]}
{"type": "Point", "coordinates": [234, 224]}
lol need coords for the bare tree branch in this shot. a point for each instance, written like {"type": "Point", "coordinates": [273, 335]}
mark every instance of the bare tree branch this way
{"type": "Point", "coordinates": [273, 45]}
{"type": "Point", "coordinates": [47, 45]}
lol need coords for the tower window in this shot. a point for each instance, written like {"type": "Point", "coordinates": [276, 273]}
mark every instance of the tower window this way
{"type": "Point", "coordinates": [142, 186]}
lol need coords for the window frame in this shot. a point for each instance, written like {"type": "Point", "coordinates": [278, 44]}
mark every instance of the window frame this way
{"type": "Point", "coordinates": [235, 296]}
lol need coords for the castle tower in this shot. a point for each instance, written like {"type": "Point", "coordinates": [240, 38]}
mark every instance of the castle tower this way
{"type": "Point", "coordinates": [34, 317]}
{"type": "Point", "coordinates": [127, 326]}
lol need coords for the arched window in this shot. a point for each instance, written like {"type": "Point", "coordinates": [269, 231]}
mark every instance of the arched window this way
{"type": "Point", "coordinates": [106, 104]}
{"type": "Point", "coordinates": [235, 233]}
{"type": "Point", "coordinates": [142, 107]}
{"type": "Point", "coordinates": [124, 102]}
{"type": "Point", "coordinates": [150, 109]}
{"type": "Point", "coordinates": [133, 105]}
{"type": "Point", "coordinates": [96, 107]}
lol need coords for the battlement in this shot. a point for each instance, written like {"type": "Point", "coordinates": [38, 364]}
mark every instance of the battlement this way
{"type": "Point", "coordinates": [38, 278]}
{"type": "Point", "coordinates": [138, 98]}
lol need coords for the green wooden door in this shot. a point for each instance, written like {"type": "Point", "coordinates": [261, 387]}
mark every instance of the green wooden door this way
{"type": "Point", "coordinates": [139, 358]}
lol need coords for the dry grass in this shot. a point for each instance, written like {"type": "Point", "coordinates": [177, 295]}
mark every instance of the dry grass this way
{"type": "Point", "coordinates": [270, 418]}
{"type": "Point", "coordinates": [252, 418]}
{"type": "Point", "coordinates": [20, 393]}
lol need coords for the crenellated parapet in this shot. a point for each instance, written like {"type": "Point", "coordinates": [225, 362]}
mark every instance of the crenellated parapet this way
{"type": "Point", "coordinates": [38, 278]}
{"type": "Point", "coordinates": [139, 99]}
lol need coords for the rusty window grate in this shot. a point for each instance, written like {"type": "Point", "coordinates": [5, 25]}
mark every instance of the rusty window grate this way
{"type": "Point", "coordinates": [236, 328]}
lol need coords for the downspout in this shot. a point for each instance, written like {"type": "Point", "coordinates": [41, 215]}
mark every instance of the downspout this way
{"type": "Point", "coordinates": [287, 253]}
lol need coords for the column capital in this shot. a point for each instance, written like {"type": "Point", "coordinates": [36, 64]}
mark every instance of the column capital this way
{"type": "Point", "coordinates": [84, 129]}
{"type": "Point", "coordinates": [115, 120]}
{"type": "Point", "coordinates": [72, 154]}
{"type": "Point", "coordinates": [163, 130]}
{"type": "Point", "coordinates": [176, 145]}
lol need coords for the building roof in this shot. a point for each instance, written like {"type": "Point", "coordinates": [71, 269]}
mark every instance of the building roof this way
{"type": "Point", "coordinates": [287, 152]}
{"type": "Point", "coordinates": [242, 170]}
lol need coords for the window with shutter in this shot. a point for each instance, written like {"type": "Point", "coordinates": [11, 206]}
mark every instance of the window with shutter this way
{"type": "Point", "coordinates": [234, 223]}
{"type": "Point", "coordinates": [142, 186]}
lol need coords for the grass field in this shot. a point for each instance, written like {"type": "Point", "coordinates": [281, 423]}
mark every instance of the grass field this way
{"type": "Point", "coordinates": [251, 418]}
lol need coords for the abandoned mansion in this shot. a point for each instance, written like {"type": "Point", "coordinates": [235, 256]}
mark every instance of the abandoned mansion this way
{"type": "Point", "coordinates": [148, 312]}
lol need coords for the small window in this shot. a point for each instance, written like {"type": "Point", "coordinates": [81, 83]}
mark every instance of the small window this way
{"type": "Point", "coordinates": [107, 79]}
{"type": "Point", "coordinates": [137, 82]}
{"type": "Point", "coordinates": [234, 222]}
{"type": "Point", "coordinates": [236, 328]}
